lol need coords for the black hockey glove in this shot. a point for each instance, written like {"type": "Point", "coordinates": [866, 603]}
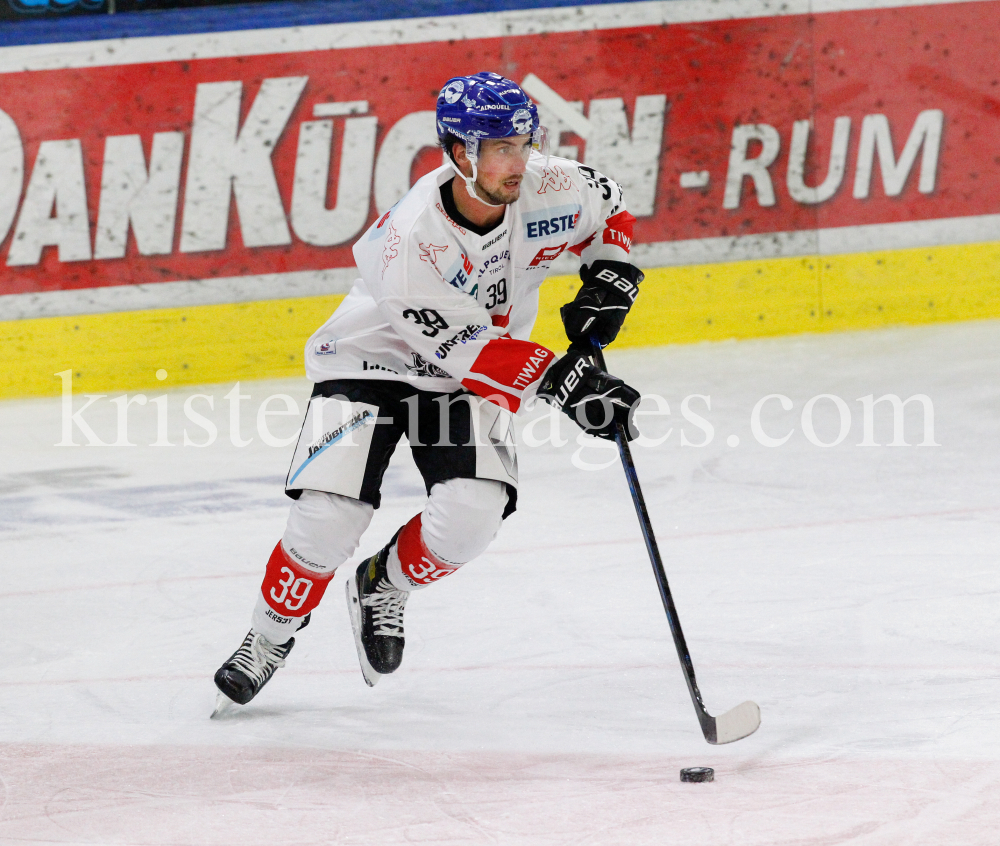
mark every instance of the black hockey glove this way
{"type": "Point", "coordinates": [594, 399]}
{"type": "Point", "coordinates": [609, 289]}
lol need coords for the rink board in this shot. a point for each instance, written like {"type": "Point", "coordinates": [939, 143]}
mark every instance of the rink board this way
{"type": "Point", "coordinates": [204, 344]}
{"type": "Point", "coordinates": [211, 283]}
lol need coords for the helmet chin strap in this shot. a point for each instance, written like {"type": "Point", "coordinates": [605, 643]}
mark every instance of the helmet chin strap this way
{"type": "Point", "coordinates": [470, 182]}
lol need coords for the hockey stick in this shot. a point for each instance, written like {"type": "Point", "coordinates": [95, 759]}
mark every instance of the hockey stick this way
{"type": "Point", "coordinates": [741, 721]}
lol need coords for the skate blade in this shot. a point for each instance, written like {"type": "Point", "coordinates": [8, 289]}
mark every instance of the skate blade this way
{"type": "Point", "coordinates": [223, 705]}
{"type": "Point", "coordinates": [354, 609]}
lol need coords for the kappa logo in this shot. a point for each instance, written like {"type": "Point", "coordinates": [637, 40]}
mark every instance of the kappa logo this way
{"type": "Point", "coordinates": [555, 178]}
{"type": "Point", "coordinates": [429, 252]}
{"type": "Point", "coordinates": [440, 208]}
{"type": "Point", "coordinates": [547, 254]}
{"type": "Point", "coordinates": [389, 251]}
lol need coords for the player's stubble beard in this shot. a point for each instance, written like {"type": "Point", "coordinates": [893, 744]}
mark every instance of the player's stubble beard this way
{"type": "Point", "coordinates": [501, 195]}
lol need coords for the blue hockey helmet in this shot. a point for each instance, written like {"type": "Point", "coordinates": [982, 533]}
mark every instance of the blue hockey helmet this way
{"type": "Point", "coordinates": [486, 105]}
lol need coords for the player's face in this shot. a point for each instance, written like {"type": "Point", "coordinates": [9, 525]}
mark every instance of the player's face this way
{"type": "Point", "coordinates": [501, 166]}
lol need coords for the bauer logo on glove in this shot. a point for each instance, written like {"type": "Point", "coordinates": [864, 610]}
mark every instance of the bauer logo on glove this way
{"type": "Point", "coordinates": [608, 291]}
{"type": "Point", "coordinates": [597, 401]}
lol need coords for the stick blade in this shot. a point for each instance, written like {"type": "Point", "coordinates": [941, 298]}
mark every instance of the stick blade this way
{"type": "Point", "coordinates": [740, 722]}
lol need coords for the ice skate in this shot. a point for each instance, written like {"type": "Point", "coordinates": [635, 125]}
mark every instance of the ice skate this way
{"type": "Point", "coordinates": [376, 609]}
{"type": "Point", "coordinates": [249, 668]}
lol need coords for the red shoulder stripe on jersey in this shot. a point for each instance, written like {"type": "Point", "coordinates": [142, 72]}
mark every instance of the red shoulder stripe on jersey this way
{"type": "Point", "coordinates": [618, 230]}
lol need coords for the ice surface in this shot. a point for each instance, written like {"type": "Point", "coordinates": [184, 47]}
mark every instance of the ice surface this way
{"type": "Point", "coordinates": [851, 591]}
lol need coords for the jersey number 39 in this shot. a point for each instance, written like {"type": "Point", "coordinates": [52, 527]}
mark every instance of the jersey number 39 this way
{"type": "Point", "coordinates": [293, 591]}
{"type": "Point", "coordinates": [497, 293]}
{"type": "Point", "coordinates": [427, 317]}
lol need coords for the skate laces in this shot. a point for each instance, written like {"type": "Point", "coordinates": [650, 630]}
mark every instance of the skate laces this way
{"type": "Point", "coordinates": [387, 604]}
{"type": "Point", "coordinates": [258, 657]}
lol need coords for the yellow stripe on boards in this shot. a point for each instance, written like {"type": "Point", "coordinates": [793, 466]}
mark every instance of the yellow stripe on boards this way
{"type": "Point", "coordinates": [195, 345]}
{"type": "Point", "coordinates": [746, 299]}
{"type": "Point", "coordinates": [751, 299]}
{"type": "Point", "coordinates": [699, 303]}
{"type": "Point", "coordinates": [911, 286]}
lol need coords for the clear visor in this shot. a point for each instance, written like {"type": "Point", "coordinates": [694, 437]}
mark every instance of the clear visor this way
{"type": "Point", "coordinates": [540, 142]}
{"type": "Point", "coordinates": [489, 151]}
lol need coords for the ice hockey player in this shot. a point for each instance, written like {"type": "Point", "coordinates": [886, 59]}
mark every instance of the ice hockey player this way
{"type": "Point", "coordinates": [432, 343]}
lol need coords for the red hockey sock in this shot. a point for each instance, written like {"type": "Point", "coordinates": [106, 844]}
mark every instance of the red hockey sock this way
{"type": "Point", "coordinates": [289, 588]}
{"type": "Point", "coordinates": [420, 566]}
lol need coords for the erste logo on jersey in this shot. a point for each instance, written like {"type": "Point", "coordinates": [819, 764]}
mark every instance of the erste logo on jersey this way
{"type": "Point", "coordinates": [550, 222]}
{"type": "Point", "coordinates": [459, 275]}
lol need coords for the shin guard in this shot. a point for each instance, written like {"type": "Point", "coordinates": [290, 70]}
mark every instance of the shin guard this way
{"type": "Point", "coordinates": [417, 565]}
{"type": "Point", "coordinates": [289, 590]}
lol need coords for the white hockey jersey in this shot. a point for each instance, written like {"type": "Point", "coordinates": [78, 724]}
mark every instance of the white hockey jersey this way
{"type": "Point", "coordinates": [445, 308]}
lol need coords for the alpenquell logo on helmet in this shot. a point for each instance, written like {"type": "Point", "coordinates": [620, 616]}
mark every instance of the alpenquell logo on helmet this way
{"type": "Point", "coordinates": [485, 105]}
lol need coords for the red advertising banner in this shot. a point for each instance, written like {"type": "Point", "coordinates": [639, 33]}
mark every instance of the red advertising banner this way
{"type": "Point", "coordinates": [266, 164]}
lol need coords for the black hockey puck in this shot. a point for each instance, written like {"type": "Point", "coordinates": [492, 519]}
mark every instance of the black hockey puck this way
{"type": "Point", "coordinates": [697, 774]}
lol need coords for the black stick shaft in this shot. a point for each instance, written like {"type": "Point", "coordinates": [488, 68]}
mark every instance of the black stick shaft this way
{"type": "Point", "coordinates": [706, 720]}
